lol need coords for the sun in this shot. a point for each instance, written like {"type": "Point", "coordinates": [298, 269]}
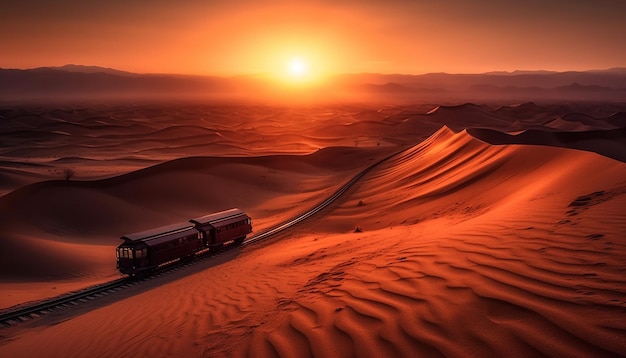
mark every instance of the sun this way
{"type": "Point", "coordinates": [298, 68]}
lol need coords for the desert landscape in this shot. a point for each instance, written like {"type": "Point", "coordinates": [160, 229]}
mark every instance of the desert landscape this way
{"type": "Point", "coordinates": [453, 246]}
{"type": "Point", "coordinates": [313, 178]}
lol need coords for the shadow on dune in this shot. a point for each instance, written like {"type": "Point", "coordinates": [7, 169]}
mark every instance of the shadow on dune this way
{"type": "Point", "coordinates": [609, 143]}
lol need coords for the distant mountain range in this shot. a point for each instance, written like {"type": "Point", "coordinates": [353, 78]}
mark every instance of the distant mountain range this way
{"type": "Point", "coordinates": [87, 82]}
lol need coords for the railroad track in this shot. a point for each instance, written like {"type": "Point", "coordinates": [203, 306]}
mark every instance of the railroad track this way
{"type": "Point", "coordinates": [319, 207]}
{"type": "Point", "coordinates": [38, 309]}
{"type": "Point", "coordinates": [14, 316]}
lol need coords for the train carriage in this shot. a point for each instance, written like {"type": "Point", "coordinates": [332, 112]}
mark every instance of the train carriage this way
{"type": "Point", "coordinates": [224, 226]}
{"type": "Point", "coordinates": [146, 250]}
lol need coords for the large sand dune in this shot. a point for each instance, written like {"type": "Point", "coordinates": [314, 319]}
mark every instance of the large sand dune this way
{"type": "Point", "coordinates": [47, 223]}
{"type": "Point", "coordinates": [464, 248]}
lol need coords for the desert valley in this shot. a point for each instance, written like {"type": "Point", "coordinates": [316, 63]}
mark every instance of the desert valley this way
{"type": "Point", "coordinates": [313, 178]}
{"type": "Point", "coordinates": [490, 229]}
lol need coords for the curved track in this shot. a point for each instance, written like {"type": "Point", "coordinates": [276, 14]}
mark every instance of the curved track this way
{"type": "Point", "coordinates": [17, 315]}
{"type": "Point", "coordinates": [319, 207]}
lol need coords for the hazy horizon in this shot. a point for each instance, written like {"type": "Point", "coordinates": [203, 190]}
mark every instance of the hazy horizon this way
{"type": "Point", "coordinates": [318, 37]}
{"type": "Point", "coordinates": [67, 66]}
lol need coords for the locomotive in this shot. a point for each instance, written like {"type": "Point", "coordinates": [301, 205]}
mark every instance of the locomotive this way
{"type": "Point", "coordinates": [143, 252]}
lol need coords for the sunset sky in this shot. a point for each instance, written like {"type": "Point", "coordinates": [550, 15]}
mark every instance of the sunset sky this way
{"type": "Point", "coordinates": [242, 37]}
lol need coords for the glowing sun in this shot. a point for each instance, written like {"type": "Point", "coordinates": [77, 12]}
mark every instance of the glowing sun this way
{"type": "Point", "coordinates": [298, 71]}
{"type": "Point", "coordinates": [298, 68]}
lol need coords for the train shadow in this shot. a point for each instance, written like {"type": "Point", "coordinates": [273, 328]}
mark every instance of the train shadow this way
{"type": "Point", "coordinates": [130, 288]}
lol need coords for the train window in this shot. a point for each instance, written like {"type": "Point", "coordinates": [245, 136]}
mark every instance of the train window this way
{"type": "Point", "coordinates": [125, 253]}
{"type": "Point", "coordinates": [138, 254]}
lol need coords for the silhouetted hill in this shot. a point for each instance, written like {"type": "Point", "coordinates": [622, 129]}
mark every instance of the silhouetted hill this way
{"type": "Point", "coordinates": [91, 69]}
{"type": "Point", "coordinates": [614, 78]}
{"type": "Point", "coordinates": [82, 82]}
{"type": "Point", "coordinates": [85, 82]}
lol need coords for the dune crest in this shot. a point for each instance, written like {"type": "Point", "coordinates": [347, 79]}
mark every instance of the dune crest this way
{"type": "Point", "coordinates": [454, 247]}
{"type": "Point", "coordinates": [52, 220]}
{"type": "Point", "coordinates": [518, 260]}
{"type": "Point", "coordinates": [465, 248]}
{"type": "Point", "coordinates": [609, 143]}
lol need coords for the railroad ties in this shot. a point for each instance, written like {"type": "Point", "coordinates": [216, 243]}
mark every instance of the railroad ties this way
{"type": "Point", "coordinates": [17, 315]}
{"type": "Point", "coordinates": [36, 310]}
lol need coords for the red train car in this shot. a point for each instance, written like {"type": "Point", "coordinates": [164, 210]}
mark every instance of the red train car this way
{"type": "Point", "coordinates": [224, 226]}
{"type": "Point", "coordinates": [145, 251]}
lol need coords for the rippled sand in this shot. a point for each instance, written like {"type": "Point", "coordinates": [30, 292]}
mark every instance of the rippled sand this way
{"type": "Point", "coordinates": [465, 248]}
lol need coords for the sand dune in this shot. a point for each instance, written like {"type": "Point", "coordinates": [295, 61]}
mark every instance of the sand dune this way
{"type": "Point", "coordinates": [158, 133]}
{"type": "Point", "coordinates": [457, 261]}
{"type": "Point", "coordinates": [610, 143]}
{"type": "Point", "coordinates": [467, 249]}
{"type": "Point", "coordinates": [44, 134]}
{"type": "Point", "coordinates": [464, 248]}
{"type": "Point", "coordinates": [617, 119]}
{"type": "Point", "coordinates": [98, 212]}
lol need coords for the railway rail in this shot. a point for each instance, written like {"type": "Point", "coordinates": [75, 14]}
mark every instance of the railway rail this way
{"type": "Point", "coordinates": [27, 312]}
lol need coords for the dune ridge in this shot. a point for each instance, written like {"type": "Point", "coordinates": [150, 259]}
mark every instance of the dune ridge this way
{"type": "Point", "coordinates": [109, 133]}
{"type": "Point", "coordinates": [537, 269]}
{"type": "Point", "coordinates": [610, 143]}
{"type": "Point", "coordinates": [97, 213]}
{"type": "Point", "coordinates": [491, 237]}
{"type": "Point", "coordinates": [465, 249]}
{"type": "Point", "coordinates": [100, 138]}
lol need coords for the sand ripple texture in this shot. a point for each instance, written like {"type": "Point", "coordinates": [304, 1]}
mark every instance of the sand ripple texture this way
{"type": "Point", "coordinates": [474, 251]}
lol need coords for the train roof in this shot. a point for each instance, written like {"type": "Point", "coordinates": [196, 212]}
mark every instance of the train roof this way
{"type": "Point", "coordinates": [179, 229]}
{"type": "Point", "coordinates": [220, 218]}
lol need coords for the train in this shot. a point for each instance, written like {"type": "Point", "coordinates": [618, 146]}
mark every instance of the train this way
{"type": "Point", "coordinates": [144, 252]}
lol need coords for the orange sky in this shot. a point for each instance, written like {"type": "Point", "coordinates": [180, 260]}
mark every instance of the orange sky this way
{"type": "Point", "coordinates": [242, 37]}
